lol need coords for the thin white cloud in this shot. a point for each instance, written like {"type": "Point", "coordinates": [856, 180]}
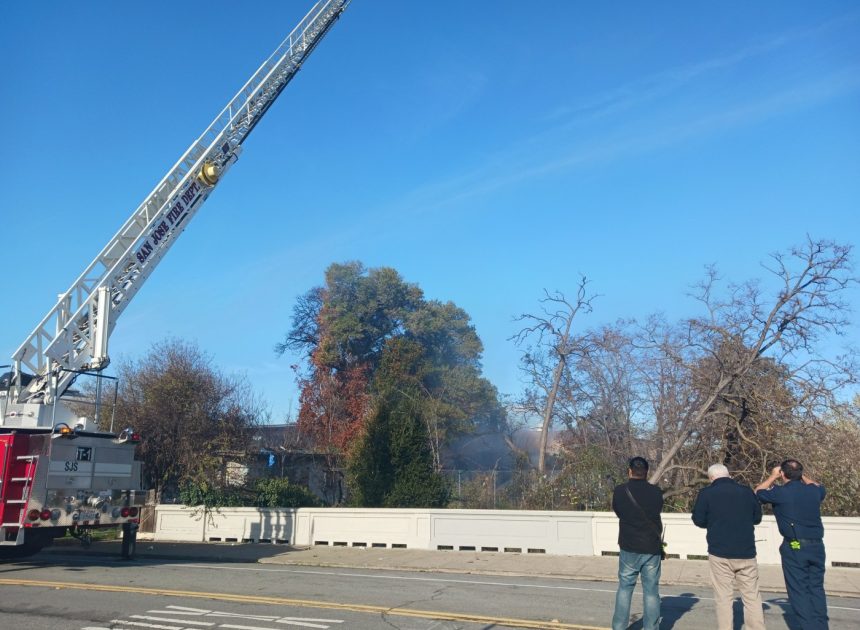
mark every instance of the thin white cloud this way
{"type": "Point", "coordinates": [540, 156]}
{"type": "Point", "coordinates": [667, 81]}
{"type": "Point", "coordinates": [515, 166]}
{"type": "Point", "coordinates": [791, 99]}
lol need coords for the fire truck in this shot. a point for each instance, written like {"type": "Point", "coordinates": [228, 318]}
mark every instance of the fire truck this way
{"type": "Point", "coordinates": [62, 471]}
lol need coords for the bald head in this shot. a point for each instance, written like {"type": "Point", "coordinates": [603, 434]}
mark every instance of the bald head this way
{"type": "Point", "coordinates": [717, 471]}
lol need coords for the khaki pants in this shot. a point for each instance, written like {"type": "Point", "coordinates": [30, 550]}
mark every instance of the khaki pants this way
{"type": "Point", "coordinates": [725, 573]}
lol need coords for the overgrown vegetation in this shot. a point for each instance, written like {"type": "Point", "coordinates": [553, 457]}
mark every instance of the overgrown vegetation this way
{"type": "Point", "coordinates": [390, 377]}
{"type": "Point", "coordinates": [196, 422]}
{"type": "Point", "coordinates": [275, 492]}
{"type": "Point", "coordinates": [751, 381]}
{"type": "Point", "coordinates": [392, 465]}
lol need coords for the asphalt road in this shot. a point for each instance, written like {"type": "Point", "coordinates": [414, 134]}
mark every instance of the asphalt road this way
{"type": "Point", "coordinates": [84, 593]}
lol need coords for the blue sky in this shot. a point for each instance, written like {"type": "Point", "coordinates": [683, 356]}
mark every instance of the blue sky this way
{"type": "Point", "coordinates": [486, 150]}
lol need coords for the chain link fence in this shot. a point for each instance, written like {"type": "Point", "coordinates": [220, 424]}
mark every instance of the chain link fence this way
{"type": "Point", "coordinates": [529, 490]}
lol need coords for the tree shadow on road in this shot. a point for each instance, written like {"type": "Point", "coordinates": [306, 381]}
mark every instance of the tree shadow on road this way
{"type": "Point", "coordinates": [72, 554]}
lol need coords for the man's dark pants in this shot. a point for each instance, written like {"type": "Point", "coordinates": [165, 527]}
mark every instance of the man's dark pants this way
{"type": "Point", "coordinates": [804, 580]}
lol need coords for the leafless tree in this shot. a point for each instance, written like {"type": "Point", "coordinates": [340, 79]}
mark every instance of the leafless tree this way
{"type": "Point", "coordinates": [703, 366]}
{"type": "Point", "coordinates": [553, 345]}
{"type": "Point", "coordinates": [606, 392]}
{"type": "Point", "coordinates": [752, 381]}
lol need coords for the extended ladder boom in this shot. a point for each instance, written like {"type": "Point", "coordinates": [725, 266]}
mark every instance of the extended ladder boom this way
{"type": "Point", "coordinates": [73, 335]}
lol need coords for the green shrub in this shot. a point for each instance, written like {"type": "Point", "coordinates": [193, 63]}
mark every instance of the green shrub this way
{"type": "Point", "coordinates": [269, 493]}
{"type": "Point", "coordinates": [278, 492]}
{"type": "Point", "coordinates": [212, 496]}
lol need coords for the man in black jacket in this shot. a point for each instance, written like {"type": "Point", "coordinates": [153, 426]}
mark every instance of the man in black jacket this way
{"type": "Point", "coordinates": [638, 504]}
{"type": "Point", "coordinates": [730, 512]}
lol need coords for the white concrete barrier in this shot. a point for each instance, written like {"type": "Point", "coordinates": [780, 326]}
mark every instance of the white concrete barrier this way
{"type": "Point", "coordinates": [503, 531]}
{"type": "Point", "coordinates": [556, 533]}
{"type": "Point", "coordinates": [357, 527]}
{"type": "Point", "coordinates": [179, 523]}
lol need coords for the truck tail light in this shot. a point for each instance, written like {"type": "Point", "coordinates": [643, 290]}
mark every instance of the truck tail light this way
{"type": "Point", "coordinates": [45, 514]}
{"type": "Point", "coordinates": [33, 515]}
{"type": "Point", "coordinates": [124, 512]}
{"type": "Point", "coordinates": [128, 435]}
{"type": "Point", "coordinates": [132, 511]}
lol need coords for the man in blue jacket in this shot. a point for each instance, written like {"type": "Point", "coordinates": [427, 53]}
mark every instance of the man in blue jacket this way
{"type": "Point", "coordinates": [730, 512]}
{"type": "Point", "coordinates": [797, 508]}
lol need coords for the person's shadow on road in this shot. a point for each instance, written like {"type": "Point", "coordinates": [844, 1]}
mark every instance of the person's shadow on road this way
{"type": "Point", "coordinates": [672, 608]}
{"type": "Point", "coordinates": [791, 622]}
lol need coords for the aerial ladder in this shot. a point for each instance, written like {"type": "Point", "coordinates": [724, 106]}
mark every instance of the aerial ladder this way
{"type": "Point", "coordinates": [59, 472]}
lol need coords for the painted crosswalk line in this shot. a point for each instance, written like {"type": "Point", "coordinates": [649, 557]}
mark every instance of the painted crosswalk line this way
{"type": "Point", "coordinates": [183, 617]}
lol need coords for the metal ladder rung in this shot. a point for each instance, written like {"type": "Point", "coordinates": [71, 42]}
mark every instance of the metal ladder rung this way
{"type": "Point", "coordinates": [16, 501]}
{"type": "Point", "coordinates": [13, 479]}
{"type": "Point", "coordinates": [30, 457]}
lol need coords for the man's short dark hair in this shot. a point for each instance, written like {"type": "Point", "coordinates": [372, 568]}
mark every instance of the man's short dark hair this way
{"type": "Point", "coordinates": [792, 469]}
{"type": "Point", "coordinates": [638, 467]}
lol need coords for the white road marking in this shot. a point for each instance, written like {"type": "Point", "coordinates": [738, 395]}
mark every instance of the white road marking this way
{"type": "Point", "coordinates": [182, 610]}
{"type": "Point", "coordinates": [199, 611]}
{"type": "Point", "coordinates": [400, 578]}
{"type": "Point", "coordinates": [446, 580]}
{"type": "Point", "coordinates": [185, 621]}
{"type": "Point", "coordinates": [305, 622]}
{"type": "Point", "coordinates": [215, 613]}
{"type": "Point", "coordinates": [145, 625]}
{"type": "Point", "coordinates": [289, 623]}
{"type": "Point", "coordinates": [275, 618]}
